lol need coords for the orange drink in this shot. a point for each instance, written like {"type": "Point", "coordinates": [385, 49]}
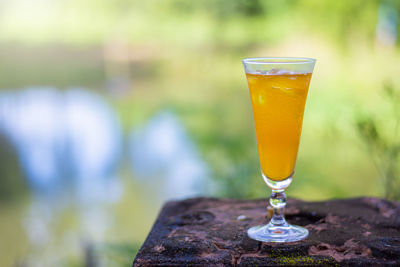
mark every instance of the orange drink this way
{"type": "Point", "coordinates": [278, 89]}
{"type": "Point", "coordinates": [278, 105]}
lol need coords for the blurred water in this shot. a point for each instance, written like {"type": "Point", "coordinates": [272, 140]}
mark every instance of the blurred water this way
{"type": "Point", "coordinates": [70, 148]}
{"type": "Point", "coordinates": [68, 144]}
{"type": "Point", "coordinates": [386, 28]}
{"type": "Point", "coordinates": [163, 153]}
{"type": "Point", "coordinates": [63, 139]}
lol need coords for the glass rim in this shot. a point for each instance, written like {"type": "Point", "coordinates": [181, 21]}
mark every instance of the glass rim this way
{"type": "Point", "coordinates": [278, 60]}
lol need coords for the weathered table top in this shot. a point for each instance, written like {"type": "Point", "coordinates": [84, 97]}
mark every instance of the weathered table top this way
{"type": "Point", "coordinates": [212, 232]}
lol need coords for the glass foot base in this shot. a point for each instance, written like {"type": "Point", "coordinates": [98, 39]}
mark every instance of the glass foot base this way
{"type": "Point", "coordinates": [272, 233]}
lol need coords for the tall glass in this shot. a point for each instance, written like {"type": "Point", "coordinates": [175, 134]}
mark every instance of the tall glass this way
{"type": "Point", "coordinates": [278, 89]}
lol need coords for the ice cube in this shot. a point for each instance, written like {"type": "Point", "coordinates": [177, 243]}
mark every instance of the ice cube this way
{"type": "Point", "coordinates": [262, 72]}
{"type": "Point", "coordinates": [279, 72]}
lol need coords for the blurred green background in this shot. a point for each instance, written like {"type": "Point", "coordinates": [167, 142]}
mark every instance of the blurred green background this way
{"type": "Point", "coordinates": [164, 80]}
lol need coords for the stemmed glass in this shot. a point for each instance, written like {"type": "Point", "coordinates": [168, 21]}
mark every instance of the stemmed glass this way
{"type": "Point", "coordinates": [278, 89]}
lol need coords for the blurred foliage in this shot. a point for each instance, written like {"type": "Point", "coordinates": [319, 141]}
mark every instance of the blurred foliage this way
{"type": "Point", "coordinates": [121, 254]}
{"type": "Point", "coordinates": [203, 22]}
{"type": "Point", "coordinates": [13, 183]}
{"type": "Point", "coordinates": [169, 51]}
{"type": "Point", "coordinates": [383, 144]}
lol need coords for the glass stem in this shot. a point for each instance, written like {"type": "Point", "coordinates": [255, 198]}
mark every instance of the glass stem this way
{"type": "Point", "coordinates": [278, 203]}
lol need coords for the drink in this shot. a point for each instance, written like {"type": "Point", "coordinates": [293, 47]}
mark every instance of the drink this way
{"type": "Point", "coordinates": [278, 105]}
{"type": "Point", "coordinates": [278, 89]}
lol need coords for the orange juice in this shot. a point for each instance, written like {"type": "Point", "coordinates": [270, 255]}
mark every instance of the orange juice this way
{"type": "Point", "coordinates": [278, 106]}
